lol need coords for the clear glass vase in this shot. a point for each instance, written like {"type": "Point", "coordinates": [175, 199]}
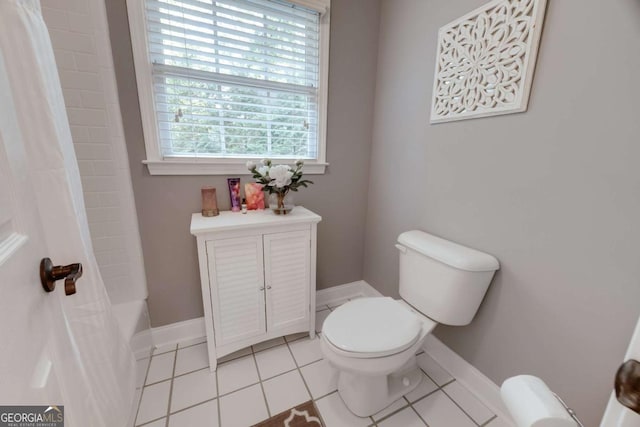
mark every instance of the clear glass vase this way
{"type": "Point", "coordinates": [281, 203]}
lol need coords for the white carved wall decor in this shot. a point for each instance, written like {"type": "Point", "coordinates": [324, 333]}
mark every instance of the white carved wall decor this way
{"type": "Point", "coordinates": [485, 61]}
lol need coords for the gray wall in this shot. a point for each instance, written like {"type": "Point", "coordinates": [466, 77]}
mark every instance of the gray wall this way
{"type": "Point", "coordinates": [165, 203]}
{"type": "Point", "coordinates": [554, 192]}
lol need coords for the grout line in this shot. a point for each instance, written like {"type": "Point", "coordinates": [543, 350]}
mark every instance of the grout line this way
{"type": "Point", "coordinates": [192, 345]}
{"type": "Point", "coordinates": [146, 373]}
{"type": "Point", "coordinates": [324, 395]}
{"type": "Point", "coordinates": [150, 422]}
{"type": "Point", "coordinates": [386, 417]}
{"type": "Point", "coordinates": [418, 414]}
{"type": "Point", "coordinates": [486, 423]}
{"type": "Point", "coordinates": [153, 352]}
{"type": "Point", "coordinates": [175, 362]}
{"type": "Point", "coordinates": [264, 395]}
{"type": "Point", "coordinates": [192, 406]}
{"type": "Point", "coordinates": [300, 372]}
{"type": "Point", "coordinates": [458, 405]}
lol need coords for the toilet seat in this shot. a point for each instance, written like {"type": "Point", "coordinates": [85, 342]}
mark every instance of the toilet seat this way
{"type": "Point", "coordinates": [372, 327]}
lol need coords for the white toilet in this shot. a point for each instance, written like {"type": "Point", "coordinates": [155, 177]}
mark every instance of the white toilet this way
{"type": "Point", "coordinates": [372, 342]}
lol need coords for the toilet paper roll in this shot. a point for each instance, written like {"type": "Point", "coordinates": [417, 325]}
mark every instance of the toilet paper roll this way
{"type": "Point", "coordinates": [532, 404]}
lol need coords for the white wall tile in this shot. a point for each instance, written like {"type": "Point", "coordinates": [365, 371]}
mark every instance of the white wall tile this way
{"type": "Point", "coordinates": [79, 35]}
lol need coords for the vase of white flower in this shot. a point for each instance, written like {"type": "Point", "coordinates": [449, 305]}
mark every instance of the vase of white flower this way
{"type": "Point", "coordinates": [281, 203]}
{"type": "Point", "coordinates": [278, 181]}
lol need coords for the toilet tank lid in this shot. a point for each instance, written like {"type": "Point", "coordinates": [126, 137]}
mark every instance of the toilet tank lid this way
{"type": "Point", "coordinates": [450, 253]}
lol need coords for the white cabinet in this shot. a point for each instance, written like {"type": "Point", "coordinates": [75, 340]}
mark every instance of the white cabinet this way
{"type": "Point", "coordinates": [257, 272]}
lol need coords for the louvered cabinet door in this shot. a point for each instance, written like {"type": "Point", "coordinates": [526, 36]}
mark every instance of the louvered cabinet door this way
{"type": "Point", "coordinates": [237, 288]}
{"type": "Point", "coordinates": [287, 270]}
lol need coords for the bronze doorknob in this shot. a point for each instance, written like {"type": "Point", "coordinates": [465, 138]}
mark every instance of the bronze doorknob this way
{"type": "Point", "coordinates": [50, 273]}
{"type": "Point", "coordinates": [628, 385]}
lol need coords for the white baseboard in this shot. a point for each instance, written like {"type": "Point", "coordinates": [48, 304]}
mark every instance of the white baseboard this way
{"type": "Point", "coordinates": [179, 331]}
{"type": "Point", "coordinates": [342, 292]}
{"type": "Point", "coordinates": [470, 377]}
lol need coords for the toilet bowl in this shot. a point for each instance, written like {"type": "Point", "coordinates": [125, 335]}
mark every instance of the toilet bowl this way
{"type": "Point", "coordinates": [372, 342]}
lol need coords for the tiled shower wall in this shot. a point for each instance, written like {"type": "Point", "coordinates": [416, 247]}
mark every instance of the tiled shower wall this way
{"type": "Point", "coordinates": [80, 38]}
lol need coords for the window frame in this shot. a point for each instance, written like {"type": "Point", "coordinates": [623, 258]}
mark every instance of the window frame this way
{"type": "Point", "coordinates": [157, 164]}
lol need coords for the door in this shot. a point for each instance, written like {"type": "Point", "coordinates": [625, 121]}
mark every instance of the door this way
{"type": "Point", "coordinates": [287, 274]}
{"type": "Point", "coordinates": [54, 349]}
{"type": "Point", "coordinates": [31, 324]}
{"type": "Point", "coordinates": [617, 415]}
{"type": "Point", "coordinates": [237, 288]}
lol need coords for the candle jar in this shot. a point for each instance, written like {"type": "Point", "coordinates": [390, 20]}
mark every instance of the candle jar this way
{"type": "Point", "coordinates": [209, 202]}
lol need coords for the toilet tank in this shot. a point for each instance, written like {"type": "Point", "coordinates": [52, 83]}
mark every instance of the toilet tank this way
{"type": "Point", "coordinates": [442, 279]}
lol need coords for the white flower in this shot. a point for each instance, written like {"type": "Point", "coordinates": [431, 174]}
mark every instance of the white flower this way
{"type": "Point", "coordinates": [263, 170]}
{"type": "Point", "coordinates": [299, 162]}
{"type": "Point", "coordinates": [266, 162]}
{"type": "Point", "coordinates": [250, 165]}
{"type": "Point", "coordinates": [281, 175]}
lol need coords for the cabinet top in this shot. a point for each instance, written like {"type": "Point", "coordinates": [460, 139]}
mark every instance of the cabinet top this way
{"type": "Point", "coordinates": [228, 220]}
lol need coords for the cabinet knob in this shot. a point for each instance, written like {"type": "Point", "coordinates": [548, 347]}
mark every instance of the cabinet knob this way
{"type": "Point", "coordinates": [261, 289]}
{"type": "Point", "coordinates": [268, 287]}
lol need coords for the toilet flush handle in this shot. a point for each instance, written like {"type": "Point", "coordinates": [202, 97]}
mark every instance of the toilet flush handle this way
{"type": "Point", "coordinates": [401, 248]}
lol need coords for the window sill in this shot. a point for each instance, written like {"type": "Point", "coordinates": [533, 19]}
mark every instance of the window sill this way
{"type": "Point", "coordinates": [191, 167]}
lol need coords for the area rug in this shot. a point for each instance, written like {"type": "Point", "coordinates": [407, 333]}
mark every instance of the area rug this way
{"type": "Point", "coordinates": [303, 415]}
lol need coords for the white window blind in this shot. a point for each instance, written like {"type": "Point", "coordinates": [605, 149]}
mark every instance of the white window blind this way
{"type": "Point", "coordinates": [234, 78]}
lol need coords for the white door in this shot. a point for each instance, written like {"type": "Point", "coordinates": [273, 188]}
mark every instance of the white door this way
{"type": "Point", "coordinates": [287, 271]}
{"type": "Point", "coordinates": [616, 415]}
{"type": "Point", "coordinates": [32, 327]}
{"type": "Point", "coordinates": [54, 349]}
{"type": "Point", "coordinates": [237, 288]}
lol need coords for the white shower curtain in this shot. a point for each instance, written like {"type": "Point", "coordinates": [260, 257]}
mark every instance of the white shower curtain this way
{"type": "Point", "coordinates": [98, 382]}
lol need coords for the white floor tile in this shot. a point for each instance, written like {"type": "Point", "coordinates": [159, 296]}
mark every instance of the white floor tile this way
{"type": "Point", "coordinates": [274, 361]}
{"type": "Point", "coordinates": [161, 367]}
{"type": "Point", "coordinates": [400, 403]}
{"type": "Point", "coordinates": [193, 341]}
{"type": "Point", "coordinates": [320, 377]}
{"type": "Point", "coordinates": [405, 418]}
{"type": "Point", "coordinates": [193, 388]}
{"type": "Point", "coordinates": [320, 316]}
{"type": "Point", "coordinates": [467, 401]}
{"type": "Point", "coordinates": [435, 371]}
{"type": "Point", "coordinates": [439, 411]}
{"type": "Point", "coordinates": [237, 374]}
{"type": "Point", "coordinates": [235, 355]}
{"type": "Point", "coordinates": [335, 413]}
{"type": "Point", "coordinates": [154, 403]}
{"type": "Point", "coordinates": [285, 391]}
{"type": "Point", "coordinates": [192, 358]}
{"type": "Point", "coordinates": [268, 344]}
{"type": "Point", "coordinates": [425, 387]}
{"type": "Point", "coordinates": [243, 408]}
{"type": "Point", "coordinates": [141, 371]}
{"type": "Point", "coordinates": [205, 414]}
{"type": "Point", "coordinates": [164, 348]}
{"type": "Point", "coordinates": [306, 351]}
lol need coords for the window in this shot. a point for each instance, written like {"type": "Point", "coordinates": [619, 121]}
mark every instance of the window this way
{"type": "Point", "coordinates": [224, 81]}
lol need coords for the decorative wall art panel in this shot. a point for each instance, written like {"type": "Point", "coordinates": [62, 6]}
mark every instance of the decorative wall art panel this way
{"type": "Point", "coordinates": [485, 61]}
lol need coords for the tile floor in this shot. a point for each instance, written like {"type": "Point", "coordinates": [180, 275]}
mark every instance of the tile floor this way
{"type": "Point", "coordinates": [176, 388]}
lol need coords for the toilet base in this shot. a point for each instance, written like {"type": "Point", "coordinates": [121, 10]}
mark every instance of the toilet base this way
{"type": "Point", "coordinates": [365, 395]}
